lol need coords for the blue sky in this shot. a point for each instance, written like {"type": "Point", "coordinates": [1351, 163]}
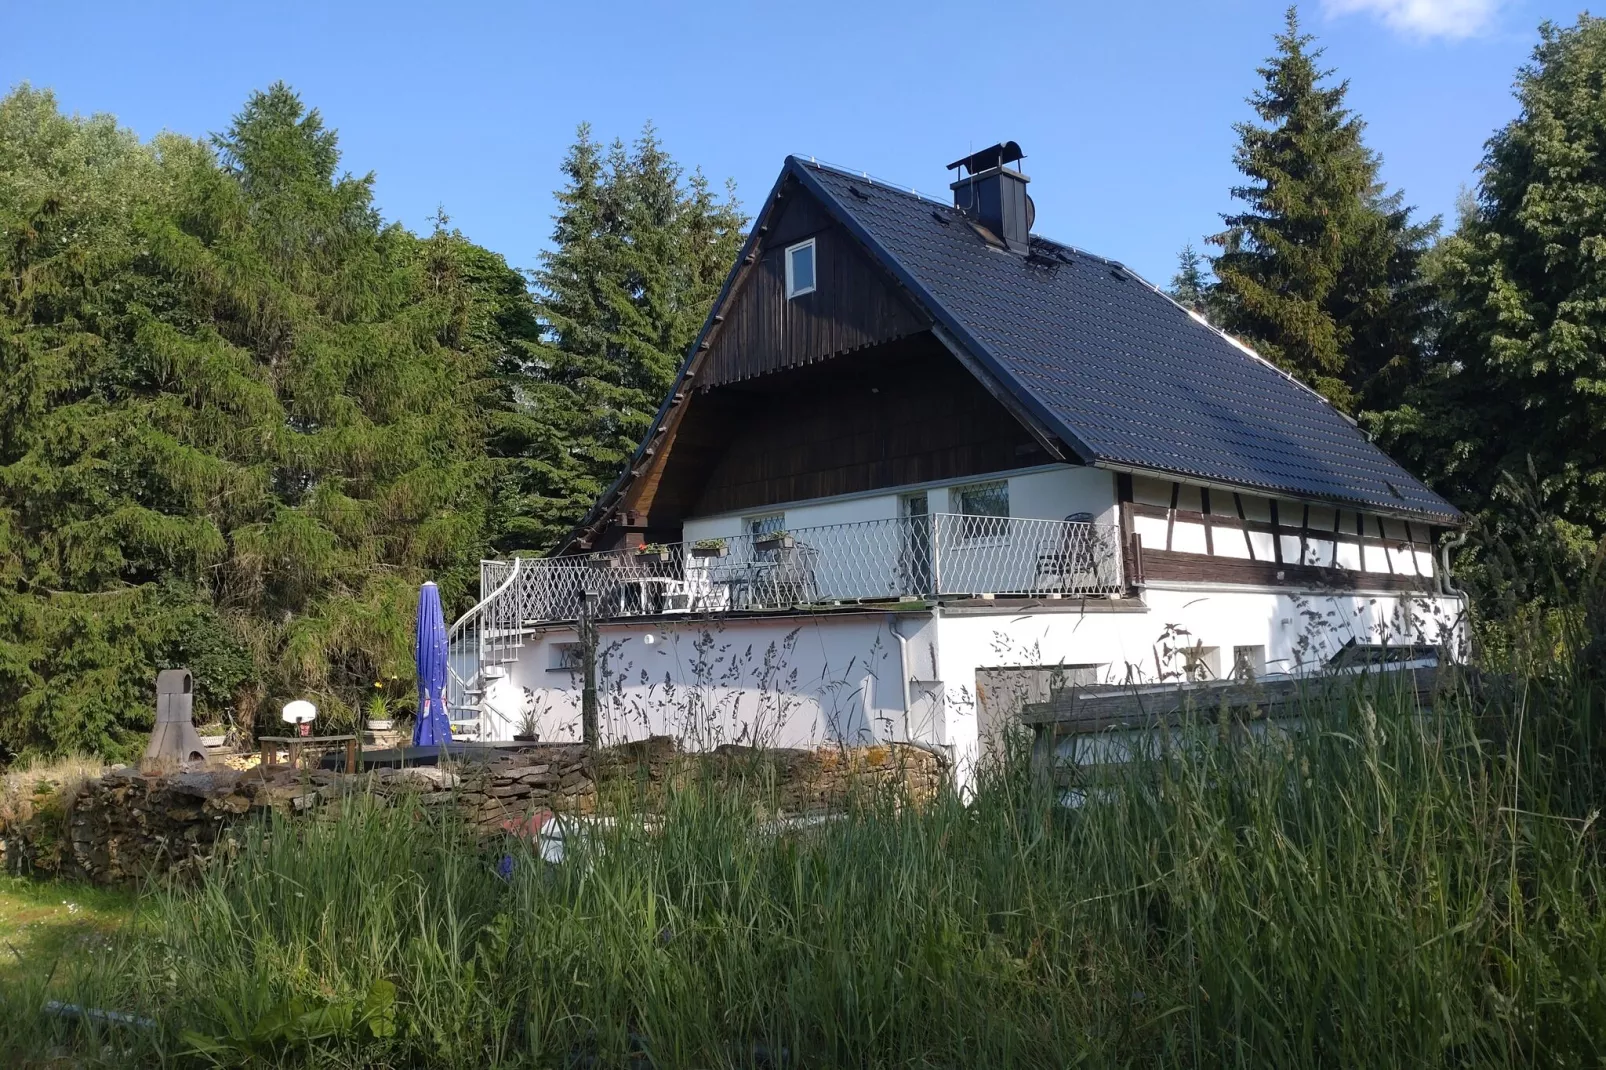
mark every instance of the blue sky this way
{"type": "Point", "coordinates": [1124, 109]}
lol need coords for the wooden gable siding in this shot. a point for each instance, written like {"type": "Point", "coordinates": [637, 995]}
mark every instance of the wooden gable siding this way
{"type": "Point", "coordinates": [854, 304]}
{"type": "Point", "coordinates": [909, 413]}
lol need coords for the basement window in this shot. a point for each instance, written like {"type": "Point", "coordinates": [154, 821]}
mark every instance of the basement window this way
{"type": "Point", "coordinates": [1201, 663]}
{"type": "Point", "coordinates": [1248, 662]}
{"type": "Point", "coordinates": [800, 269]}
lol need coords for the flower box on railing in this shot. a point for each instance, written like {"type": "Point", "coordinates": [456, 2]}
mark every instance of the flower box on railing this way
{"type": "Point", "coordinates": [654, 551]}
{"type": "Point", "coordinates": [778, 540]}
{"type": "Point", "coordinates": [709, 548]}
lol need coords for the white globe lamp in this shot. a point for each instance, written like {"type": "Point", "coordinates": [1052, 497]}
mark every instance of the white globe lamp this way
{"type": "Point", "coordinates": [300, 713]}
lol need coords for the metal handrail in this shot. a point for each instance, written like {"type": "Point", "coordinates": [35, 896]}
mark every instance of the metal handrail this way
{"type": "Point", "coordinates": [456, 639]}
{"type": "Point", "coordinates": [931, 556]}
{"type": "Point", "coordinates": [936, 555]}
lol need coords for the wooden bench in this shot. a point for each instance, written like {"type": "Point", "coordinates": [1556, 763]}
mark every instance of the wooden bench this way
{"type": "Point", "coordinates": [295, 744]}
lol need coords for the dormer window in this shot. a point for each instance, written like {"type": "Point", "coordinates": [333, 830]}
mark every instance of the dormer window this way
{"type": "Point", "coordinates": [800, 269]}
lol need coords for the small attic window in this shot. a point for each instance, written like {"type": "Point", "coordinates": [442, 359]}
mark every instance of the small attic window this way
{"type": "Point", "coordinates": [800, 269]}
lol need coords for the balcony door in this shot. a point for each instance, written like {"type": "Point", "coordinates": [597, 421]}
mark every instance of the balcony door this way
{"type": "Point", "coordinates": [914, 551]}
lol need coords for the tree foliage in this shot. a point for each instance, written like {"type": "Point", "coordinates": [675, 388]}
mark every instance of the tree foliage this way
{"type": "Point", "coordinates": [1190, 286]}
{"type": "Point", "coordinates": [242, 417]}
{"type": "Point", "coordinates": [639, 253]}
{"type": "Point", "coordinates": [1510, 418]}
{"type": "Point", "coordinates": [1320, 269]}
{"type": "Point", "coordinates": [238, 423]}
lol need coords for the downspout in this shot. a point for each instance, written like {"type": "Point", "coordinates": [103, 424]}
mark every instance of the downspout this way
{"type": "Point", "coordinates": [903, 668]}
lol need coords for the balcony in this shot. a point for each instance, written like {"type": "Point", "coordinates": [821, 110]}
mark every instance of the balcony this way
{"type": "Point", "coordinates": [911, 558]}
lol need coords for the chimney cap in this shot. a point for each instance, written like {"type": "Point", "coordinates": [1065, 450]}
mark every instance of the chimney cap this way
{"type": "Point", "coordinates": [992, 156]}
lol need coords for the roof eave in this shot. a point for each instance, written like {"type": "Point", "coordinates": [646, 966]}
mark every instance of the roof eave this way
{"type": "Point", "coordinates": [599, 513]}
{"type": "Point", "coordinates": [1454, 518]}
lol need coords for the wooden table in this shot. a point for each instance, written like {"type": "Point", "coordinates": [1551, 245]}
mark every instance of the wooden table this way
{"type": "Point", "coordinates": [271, 744]}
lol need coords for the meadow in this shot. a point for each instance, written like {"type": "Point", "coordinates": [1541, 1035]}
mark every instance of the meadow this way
{"type": "Point", "coordinates": [1386, 887]}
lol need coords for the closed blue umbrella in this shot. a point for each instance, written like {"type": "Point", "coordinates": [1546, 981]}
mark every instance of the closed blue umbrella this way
{"type": "Point", "coordinates": [433, 725]}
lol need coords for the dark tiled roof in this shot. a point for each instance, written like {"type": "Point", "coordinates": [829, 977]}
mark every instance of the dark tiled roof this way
{"type": "Point", "coordinates": [1115, 368]}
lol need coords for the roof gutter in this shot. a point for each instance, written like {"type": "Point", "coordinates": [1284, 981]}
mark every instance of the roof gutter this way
{"type": "Point", "coordinates": [1421, 516]}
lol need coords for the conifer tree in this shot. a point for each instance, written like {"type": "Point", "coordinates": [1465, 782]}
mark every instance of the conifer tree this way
{"type": "Point", "coordinates": [1320, 271]}
{"type": "Point", "coordinates": [1515, 404]}
{"type": "Point", "coordinates": [242, 420]}
{"type": "Point", "coordinates": [1189, 287]}
{"type": "Point", "coordinates": [99, 556]}
{"type": "Point", "coordinates": [639, 255]}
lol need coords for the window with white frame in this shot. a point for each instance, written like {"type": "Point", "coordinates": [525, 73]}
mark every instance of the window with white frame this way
{"type": "Point", "coordinates": [800, 269]}
{"type": "Point", "coordinates": [985, 507]}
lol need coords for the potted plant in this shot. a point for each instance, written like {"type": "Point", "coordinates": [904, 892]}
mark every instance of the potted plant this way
{"type": "Point", "coordinates": [529, 728]}
{"type": "Point", "coordinates": [653, 549]}
{"type": "Point", "coordinates": [709, 548]}
{"type": "Point", "coordinates": [775, 540]}
{"type": "Point", "coordinates": [379, 714]}
{"type": "Point", "coordinates": [214, 734]}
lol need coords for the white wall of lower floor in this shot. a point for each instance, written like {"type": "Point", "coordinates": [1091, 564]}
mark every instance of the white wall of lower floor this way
{"type": "Point", "coordinates": [788, 681]}
{"type": "Point", "coordinates": [863, 677]}
{"type": "Point", "coordinates": [1292, 632]}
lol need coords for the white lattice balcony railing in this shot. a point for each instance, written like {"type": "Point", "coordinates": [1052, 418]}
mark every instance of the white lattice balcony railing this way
{"type": "Point", "coordinates": [939, 555]}
{"type": "Point", "coordinates": [912, 557]}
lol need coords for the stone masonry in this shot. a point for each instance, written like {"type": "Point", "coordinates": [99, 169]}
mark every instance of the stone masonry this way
{"type": "Point", "coordinates": [124, 825]}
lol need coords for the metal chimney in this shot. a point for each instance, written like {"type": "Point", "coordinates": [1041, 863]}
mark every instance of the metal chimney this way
{"type": "Point", "coordinates": [994, 195]}
{"type": "Point", "coordinates": [174, 740]}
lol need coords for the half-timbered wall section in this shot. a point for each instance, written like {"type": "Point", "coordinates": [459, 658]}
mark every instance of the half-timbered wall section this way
{"type": "Point", "coordinates": [853, 305]}
{"type": "Point", "coordinates": [1192, 533]}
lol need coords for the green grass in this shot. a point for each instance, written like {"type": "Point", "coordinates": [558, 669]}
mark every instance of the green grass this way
{"type": "Point", "coordinates": [1383, 889]}
{"type": "Point", "coordinates": [44, 922]}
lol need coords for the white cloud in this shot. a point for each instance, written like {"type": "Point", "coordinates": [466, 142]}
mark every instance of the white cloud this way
{"type": "Point", "coordinates": [1424, 18]}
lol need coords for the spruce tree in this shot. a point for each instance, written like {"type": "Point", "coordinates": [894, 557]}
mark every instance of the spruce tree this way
{"type": "Point", "coordinates": [242, 419]}
{"type": "Point", "coordinates": [639, 253]}
{"type": "Point", "coordinates": [1189, 287]}
{"type": "Point", "coordinates": [1515, 404]}
{"type": "Point", "coordinates": [100, 553]}
{"type": "Point", "coordinates": [1320, 271]}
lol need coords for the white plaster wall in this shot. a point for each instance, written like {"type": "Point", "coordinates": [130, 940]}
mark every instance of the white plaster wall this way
{"type": "Point", "coordinates": [1038, 494]}
{"type": "Point", "coordinates": [782, 681]}
{"type": "Point", "coordinates": [1056, 493]}
{"type": "Point", "coordinates": [1299, 632]}
{"type": "Point", "coordinates": [811, 515]}
{"type": "Point", "coordinates": [806, 681]}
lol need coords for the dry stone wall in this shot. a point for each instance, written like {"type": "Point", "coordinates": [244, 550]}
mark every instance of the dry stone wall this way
{"type": "Point", "coordinates": [123, 825]}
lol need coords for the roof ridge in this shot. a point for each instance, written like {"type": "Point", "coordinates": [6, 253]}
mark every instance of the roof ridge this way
{"type": "Point", "coordinates": [897, 187]}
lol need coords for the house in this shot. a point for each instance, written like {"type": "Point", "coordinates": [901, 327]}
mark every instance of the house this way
{"type": "Point", "coordinates": [922, 464]}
